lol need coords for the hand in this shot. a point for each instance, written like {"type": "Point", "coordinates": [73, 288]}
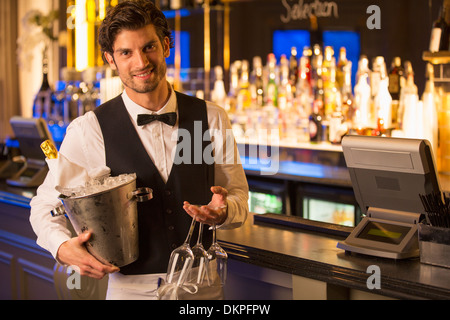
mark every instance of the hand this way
{"type": "Point", "coordinates": [74, 253]}
{"type": "Point", "coordinates": [215, 213]}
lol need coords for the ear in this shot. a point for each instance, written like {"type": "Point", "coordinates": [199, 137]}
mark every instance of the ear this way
{"type": "Point", "coordinates": [110, 60]}
{"type": "Point", "coordinates": [166, 44]}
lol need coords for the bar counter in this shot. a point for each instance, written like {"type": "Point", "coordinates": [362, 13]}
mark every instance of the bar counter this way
{"type": "Point", "coordinates": [266, 261]}
{"type": "Point", "coordinates": [312, 256]}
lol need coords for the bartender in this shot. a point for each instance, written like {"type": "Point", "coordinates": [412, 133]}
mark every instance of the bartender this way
{"type": "Point", "coordinates": [135, 40]}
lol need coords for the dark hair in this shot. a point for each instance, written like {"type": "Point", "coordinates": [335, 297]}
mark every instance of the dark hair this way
{"type": "Point", "coordinates": [131, 15]}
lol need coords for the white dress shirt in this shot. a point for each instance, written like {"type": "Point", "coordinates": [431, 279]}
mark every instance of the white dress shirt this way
{"type": "Point", "coordinates": [84, 146]}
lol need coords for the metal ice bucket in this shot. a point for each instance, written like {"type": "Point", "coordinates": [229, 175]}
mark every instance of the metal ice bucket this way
{"type": "Point", "coordinates": [111, 215]}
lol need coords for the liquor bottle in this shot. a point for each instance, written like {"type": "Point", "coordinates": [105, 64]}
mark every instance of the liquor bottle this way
{"type": "Point", "coordinates": [362, 111]}
{"type": "Point", "coordinates": [293, 70]}
{"type": "Point", "coordinates": [395, 84]}
{"type": "Point", "coordinates": [164, 4]}
{"type": "Point", "coordinates": [340, 68]}
{"type": "Point", "coordinates": [363, 68]}
{"type": "Point", "coordinates": [218, 94]}
{"type": "Point", "coordinates": [305, 66]}
{"type": "Point", "coordinates": [382, 102]}
{"type": "Point", "coordinates": [283, 88]}
{"type": "Point", "coordinates": [315, 125]}
{"type": "Point", "coordinates": [430, 99]}
{"type": "Point", "coordinates": [176, 4]}
{"type": "Point", "coordinates": [272, 86]}
{"type": "Point", "coordinates": [347, 94]}
{"type": "Point", "coordinates": [409, 100]}
{"type": "Point", "coordinates": [230, 105]}
{"type": "Point", "coordinates": [316, 66]}
{"type": "Point", "coordinates": [244, 97]}
{"type": "Point", "coordinates": [439, 33]}
{"type": "Point", "coordinates": [304, 93]}
{"type": "Point", "coordinates": [257, 82]}
{"type": "Point", "coordinates": [331, 95]}
{"type": "Point", "coordinates": [375, 75]}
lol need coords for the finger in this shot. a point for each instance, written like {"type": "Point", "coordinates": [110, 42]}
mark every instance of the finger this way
{"type": "Point", "coordinates": [84, 237]}
{"type": "Point", "coordinates": [219, 190]}
{"type": "Point", "coordinates": [91, 272]}
{"type": "Point", "coordinates": [97, 268]}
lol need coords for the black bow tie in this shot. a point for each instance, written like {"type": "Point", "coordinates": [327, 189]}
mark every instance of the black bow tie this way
{"type": "Point", "coordinates": [169, 118]}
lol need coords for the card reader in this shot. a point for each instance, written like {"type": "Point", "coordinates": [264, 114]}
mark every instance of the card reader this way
{"type": "Point", "coordinates": [388, 174]}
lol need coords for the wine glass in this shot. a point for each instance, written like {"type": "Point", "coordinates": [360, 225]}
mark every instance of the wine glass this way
{"type": "Point", "coordinates": [217, 264]}
{"type": "Point", "coordinates": [181, 260]}
{"type": "Point", "coordinates": [200, 264]}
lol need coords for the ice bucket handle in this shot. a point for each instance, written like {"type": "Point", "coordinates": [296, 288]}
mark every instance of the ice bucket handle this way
{"type": "Point", "coordinates": [141, 194]}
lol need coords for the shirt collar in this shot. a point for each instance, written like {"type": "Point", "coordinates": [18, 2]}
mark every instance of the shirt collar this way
{"type": "Point", "coordinates": [134, 109]}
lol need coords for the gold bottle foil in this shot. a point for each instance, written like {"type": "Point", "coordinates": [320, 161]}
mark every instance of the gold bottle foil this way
{"type": "Point", "coordinates": [49, 149]}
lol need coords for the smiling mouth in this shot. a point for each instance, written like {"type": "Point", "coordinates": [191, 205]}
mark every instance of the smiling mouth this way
{"type": "Point", "coordinates": [143, 75]}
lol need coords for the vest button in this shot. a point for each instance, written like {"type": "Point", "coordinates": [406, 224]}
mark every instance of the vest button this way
{"type": "Point", "coordinates": [169, 211]}
{"type": "Point", "coordinates": [167, 192]}
{"type": "Point", "coordinates": [171, 228]}
{"type": "Point", "coordinates": [173, 245]}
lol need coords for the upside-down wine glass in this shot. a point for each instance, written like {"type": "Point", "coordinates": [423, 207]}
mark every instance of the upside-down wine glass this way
{"type": "Point", "coordinates": [217, 264]}
{"type": "Point", "coordinates": [200, 264]}
{"type": "Point", "coordinates": [181, 260]}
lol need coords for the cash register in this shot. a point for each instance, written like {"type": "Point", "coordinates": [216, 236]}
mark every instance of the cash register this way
{"type": "Point", "coordinates": [30, 133]}
{"type": "Point", "coordinates": [388, 175]}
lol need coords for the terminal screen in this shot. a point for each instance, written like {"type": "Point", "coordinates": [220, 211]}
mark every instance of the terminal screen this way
{"type": "Point", "coordinates": [384, 232]}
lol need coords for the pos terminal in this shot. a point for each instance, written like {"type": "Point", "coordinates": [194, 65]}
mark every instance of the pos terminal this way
{"type": "Point", "coordinates": [387, 175]}
{"type": "Point", "coordinates": [30, 132]}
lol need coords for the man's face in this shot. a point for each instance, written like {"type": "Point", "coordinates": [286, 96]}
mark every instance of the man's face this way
{"type": "Point", "coordinates": [139, 58]}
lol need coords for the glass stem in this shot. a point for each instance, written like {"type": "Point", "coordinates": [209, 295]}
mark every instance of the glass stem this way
{"type": "Point", "coordinates": [214, 234]}
{"type": "Point", "coordinates": [200, 231]}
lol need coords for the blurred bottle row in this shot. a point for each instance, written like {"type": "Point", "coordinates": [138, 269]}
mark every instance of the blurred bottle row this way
{"type": "Point", "coordinates": [306, 97]}
{"type": "Point", "coordinates": [310, 97]}
{"type": "Point", "coordinates": [73, 96]}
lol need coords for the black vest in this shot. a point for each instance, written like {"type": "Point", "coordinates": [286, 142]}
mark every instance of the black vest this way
{"type": "Point", "coordinates": [162, 222]}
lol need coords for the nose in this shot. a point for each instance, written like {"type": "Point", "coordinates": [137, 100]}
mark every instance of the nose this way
{"type": "Point", "coordinates": [141, 60]}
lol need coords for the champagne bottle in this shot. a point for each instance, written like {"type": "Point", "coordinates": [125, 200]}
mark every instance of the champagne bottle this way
{"type": "Point", "coordinates": [439, 33]}
{"type": "Point", "coordinates": [43, 102]}
{"type": "Point", "coordinates": [49, 149]}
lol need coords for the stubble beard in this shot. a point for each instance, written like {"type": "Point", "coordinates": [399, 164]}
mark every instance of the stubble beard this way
{"type": "Point", "coordinates": [149, 85]}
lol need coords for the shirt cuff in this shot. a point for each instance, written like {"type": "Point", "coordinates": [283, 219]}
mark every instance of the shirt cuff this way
{"type": "Point", "coordinates": [57, 239]}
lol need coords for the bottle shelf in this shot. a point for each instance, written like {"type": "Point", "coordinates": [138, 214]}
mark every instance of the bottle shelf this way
{"type": "Point", "coordinates": [441, 57]}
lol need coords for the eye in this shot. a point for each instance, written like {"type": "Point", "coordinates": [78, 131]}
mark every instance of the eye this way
{"type": "Point", "coordinates": [125, 53]}
{"type": "Point", "coordinates": [149, 48]}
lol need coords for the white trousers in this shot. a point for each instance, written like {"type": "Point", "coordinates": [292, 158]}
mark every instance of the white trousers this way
{"type": "Point", "coordinates": [133, 287]}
